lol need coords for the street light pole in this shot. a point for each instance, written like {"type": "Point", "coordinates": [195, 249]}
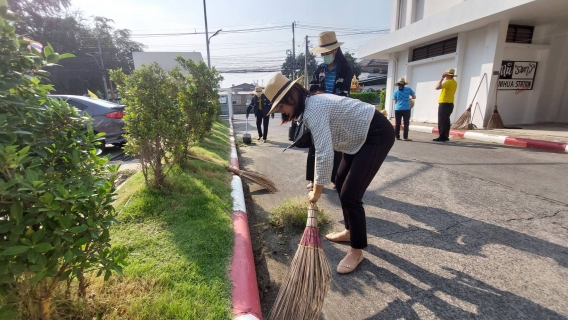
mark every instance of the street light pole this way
{"type": "Point", "coordinates": [208, 42]}
{"type": "Point", "coordinates": [206, 35]}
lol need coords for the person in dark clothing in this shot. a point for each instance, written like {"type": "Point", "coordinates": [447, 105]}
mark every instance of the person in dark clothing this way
{"type": "Point", "coordinates": [260, 106]}
{"type": "Point", "coordinates": [446, 103]}
{"type": "Point", "coordinates": [333, 76]}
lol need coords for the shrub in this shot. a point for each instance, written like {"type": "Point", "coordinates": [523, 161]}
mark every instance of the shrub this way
{"type": "Point", "coordinates": [154, 121]}
{"type": "Point", "coordinates": [368, 97]}
{"type": "Point", "coordinates": [56, 192]}
{"type": "Point", "coordinates": [383, 96]}
{"type": "Point", "coordinates": [167, 113]}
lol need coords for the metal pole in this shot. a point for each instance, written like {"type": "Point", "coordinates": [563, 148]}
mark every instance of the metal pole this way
{"type": "Point", "coordinates": [306, 75]}
{"type": "Point", "coordinates": [103, 69]}
{"type": "Point", "coordinates": [206, 35]}
{"type": "Point", "coordinates": [293, 52]}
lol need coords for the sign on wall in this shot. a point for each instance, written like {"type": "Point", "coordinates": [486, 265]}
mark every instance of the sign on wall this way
{"type": "Point", "coordinates": [517, 75]}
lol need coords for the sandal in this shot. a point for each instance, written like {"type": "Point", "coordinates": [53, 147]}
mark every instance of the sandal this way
{"type": "Point", "coordinates": [347, 268]}
{"type": "Point", "coordinates": [333, 237]}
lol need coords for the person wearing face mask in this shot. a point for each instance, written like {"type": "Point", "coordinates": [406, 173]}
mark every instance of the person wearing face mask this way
{"type": "Point", "coordinates": [333, 76]}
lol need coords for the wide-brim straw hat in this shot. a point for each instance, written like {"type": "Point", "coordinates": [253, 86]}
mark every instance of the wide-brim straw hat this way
{"type": "Point", "coordinates": [402, 80]}
{"type": "Point", "coordinates": [258, 91]}
{"type": "Point", "coordinates": [327, 42]}
{"type": "Point", "coordinates": [277, 88]}
{"type": "Point", "coordinates": [451, 72]}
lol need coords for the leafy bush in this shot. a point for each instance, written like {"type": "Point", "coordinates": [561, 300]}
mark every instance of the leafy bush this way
{"type": "Point", "coordinates": [167, 113]}
{"type": "Point", "coordinates": [56, 192]}
{"type": "Point", "coordinates": [368, 97]}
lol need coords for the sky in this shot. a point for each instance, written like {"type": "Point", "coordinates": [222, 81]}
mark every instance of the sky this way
{"type": "Point", "coordinates": [351, 20]}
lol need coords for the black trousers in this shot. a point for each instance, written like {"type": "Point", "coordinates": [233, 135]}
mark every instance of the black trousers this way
{"type": "Point", "coordinates": [355, 174]}
{"type": "Point", "coordinates": [311, 164]}
{"type": "Point", "coordinates": [444, 123]}
{"type": "Point", "coordinates": [262, 120]}
{"type": "Point", "coordinates": [405, 115]}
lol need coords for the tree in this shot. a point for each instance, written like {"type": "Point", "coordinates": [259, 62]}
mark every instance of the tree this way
{"type": "Point", "coordinates": [57, 193]}
{"type": "Point", "coordinates": [355, 66]}
{"type": "Point", "coordinates": [33, 12]}
{"type": "Point", "coordinates": [299, 65]}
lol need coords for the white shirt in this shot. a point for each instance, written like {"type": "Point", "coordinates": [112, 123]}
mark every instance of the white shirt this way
{"type": "Point", "coordinates": [337, 123]}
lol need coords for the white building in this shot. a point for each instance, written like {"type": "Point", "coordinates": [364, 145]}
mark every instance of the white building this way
{"type": "Point", "coordinates": [525, 41]}
{"type": "Point", "coordinates": [166, 60]}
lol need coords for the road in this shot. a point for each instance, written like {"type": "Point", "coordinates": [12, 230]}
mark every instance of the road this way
{"type": "Point", "coordinates": [462, 230]}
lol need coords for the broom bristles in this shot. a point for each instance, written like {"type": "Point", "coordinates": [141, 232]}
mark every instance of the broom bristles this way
{"type": "Point", "coordinates": [463, 122]}
{"type": "Point", "coordinates": [302, 294]}
{"type": "Point", "coordinates": [255, 177]}
{"type": "Point", "coordinates": [495, 122]}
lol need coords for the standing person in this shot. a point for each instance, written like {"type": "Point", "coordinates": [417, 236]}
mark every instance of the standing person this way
{"type": "Point", "coordinates": [446, 103]}
{"type": "Point", "coordinates": [260, 105]}
{"type": "Point", "coordinates": [402, 108]}
{"type": "Point", "coordinates": [350, 126]}
{"type": "Point", "coordinates": [333, 76]}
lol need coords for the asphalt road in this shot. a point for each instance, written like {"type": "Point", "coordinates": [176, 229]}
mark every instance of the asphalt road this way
{"type": "Point", "coordinates": [462, 230]}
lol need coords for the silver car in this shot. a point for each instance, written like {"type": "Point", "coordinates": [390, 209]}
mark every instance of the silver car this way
{"type": "Point", "coordinates": [107, 116]}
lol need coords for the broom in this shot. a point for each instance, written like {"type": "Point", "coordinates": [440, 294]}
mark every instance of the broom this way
{"type": "Point", "coordinates": [495, 122]}
{"type": "Point", "coordinates": [303, 291]}
{"type": "Point", "coordinates": [464, 122]}
{"type": "Point", "coordinates": [257, 178]}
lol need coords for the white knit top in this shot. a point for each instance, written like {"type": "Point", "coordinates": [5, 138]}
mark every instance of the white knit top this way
{"type": "Point", "coordinates": [337, 123]}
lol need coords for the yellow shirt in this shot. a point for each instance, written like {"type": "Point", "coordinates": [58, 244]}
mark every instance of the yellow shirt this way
{"type": "Point", "coordinates": [448, 91]}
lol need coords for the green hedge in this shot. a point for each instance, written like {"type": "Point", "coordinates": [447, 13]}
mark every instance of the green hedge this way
{"type": "Point", "coordinates": [368, 97]}
{"type": "Point", "coordinates": [383, 96]}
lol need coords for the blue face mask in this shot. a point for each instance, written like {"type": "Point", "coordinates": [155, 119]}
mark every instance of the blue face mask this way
{"type": "Point", "coordinates": [328, 59]}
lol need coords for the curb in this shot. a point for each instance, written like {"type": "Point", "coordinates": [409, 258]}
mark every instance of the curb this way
{"type": "Point", "coordinates": [246, 301]}
{"type": "Point", "coordinates": [511, 141]}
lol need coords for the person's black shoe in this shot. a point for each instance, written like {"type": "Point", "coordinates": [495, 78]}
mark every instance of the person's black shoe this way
{"type": "Point", "coordinates": [397, 138]}
{"type": "Point", "coordinates": [439, 140]}
{"type": "Point", "coordinates": [447, 139]}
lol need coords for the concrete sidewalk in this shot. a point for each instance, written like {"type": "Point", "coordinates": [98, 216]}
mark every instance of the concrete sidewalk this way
{"type": "Point", "coordinates": [451, 234]}
{"type": "Point", "coordinates": [549, 137]}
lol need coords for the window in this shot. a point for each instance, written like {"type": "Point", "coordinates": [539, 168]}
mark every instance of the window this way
{"type": "Point", "coordinates": [435, 49]}
{"type": "Point", "coordinates": [520, 34]}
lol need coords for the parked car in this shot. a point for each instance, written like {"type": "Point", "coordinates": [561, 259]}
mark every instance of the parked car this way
{"type": "Point", "coordinates": [107, 116]}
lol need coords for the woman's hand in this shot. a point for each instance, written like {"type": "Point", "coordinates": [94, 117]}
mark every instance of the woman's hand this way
{"type": "Point", "coordinates": [313, 197]}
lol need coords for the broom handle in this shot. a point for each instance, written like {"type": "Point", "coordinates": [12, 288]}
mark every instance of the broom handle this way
{"type": "Point", "coordinates": [479, 86]}
{"type": "Point", "coordinates": [312, 215]}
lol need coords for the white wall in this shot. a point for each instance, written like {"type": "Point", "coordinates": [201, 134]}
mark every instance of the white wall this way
{"type": "Point", "coordinates": [419, 14]}
{"type": "Point", "coordinates": [470, 74]}
{"type": "Point", "coordinates": [431, 7]}
{"type": "Point", "coordinates": [423, 80]}
{"type": "Point", "coordinates": [553, 106]}
{"type": "Point", "coordinates": [522, 107]}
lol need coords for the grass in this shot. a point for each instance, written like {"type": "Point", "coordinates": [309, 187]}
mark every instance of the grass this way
{"type": "Point", "coordinates": [293, 214]}
{"type": "Point", "coordinates": [182, 239]}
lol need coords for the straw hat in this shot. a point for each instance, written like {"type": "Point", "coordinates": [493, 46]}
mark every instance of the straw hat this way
{"type": "Point", "coordinates": [451, 72]}
{"type": "Point", "coordinates": [258, 91]}
{"type": "Point", "coordinates": [276, 88]}
{"type": "Point", "coordinates": [327, 42]}
{"type": "Point", "coordinates": [402, 80]}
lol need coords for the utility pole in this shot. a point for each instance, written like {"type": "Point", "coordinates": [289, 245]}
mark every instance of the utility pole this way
{"type": "Point", "coordinates": [103, 69]}
{"type": "Point", "coordinates": [293, 52]}
{"type": "Point", "coordinates": [306, 75]}
{"type": "Point", "coordinates": [206, 35]}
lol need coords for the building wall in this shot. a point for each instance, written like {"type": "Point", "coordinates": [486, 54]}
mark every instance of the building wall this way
{"type": "Point", "coordinates": [423, 80]}
{"type": "Point", "coordinates": [431, 7]}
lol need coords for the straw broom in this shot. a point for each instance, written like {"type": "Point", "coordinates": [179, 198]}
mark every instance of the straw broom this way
{"type": "Point", "coordinates": [495, 122]}
{"type": "Point", "coordinates": [464, 122]}
{"type": "Point", "coordinates": [255, 177]}
{"type": "Point", "coordinates": [303, 291]}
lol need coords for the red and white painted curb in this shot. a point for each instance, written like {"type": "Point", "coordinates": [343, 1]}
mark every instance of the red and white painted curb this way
{"type": "Point", "coordinates": [246, 301]}
{"type": "Point", "coordinates": [511, 141]}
